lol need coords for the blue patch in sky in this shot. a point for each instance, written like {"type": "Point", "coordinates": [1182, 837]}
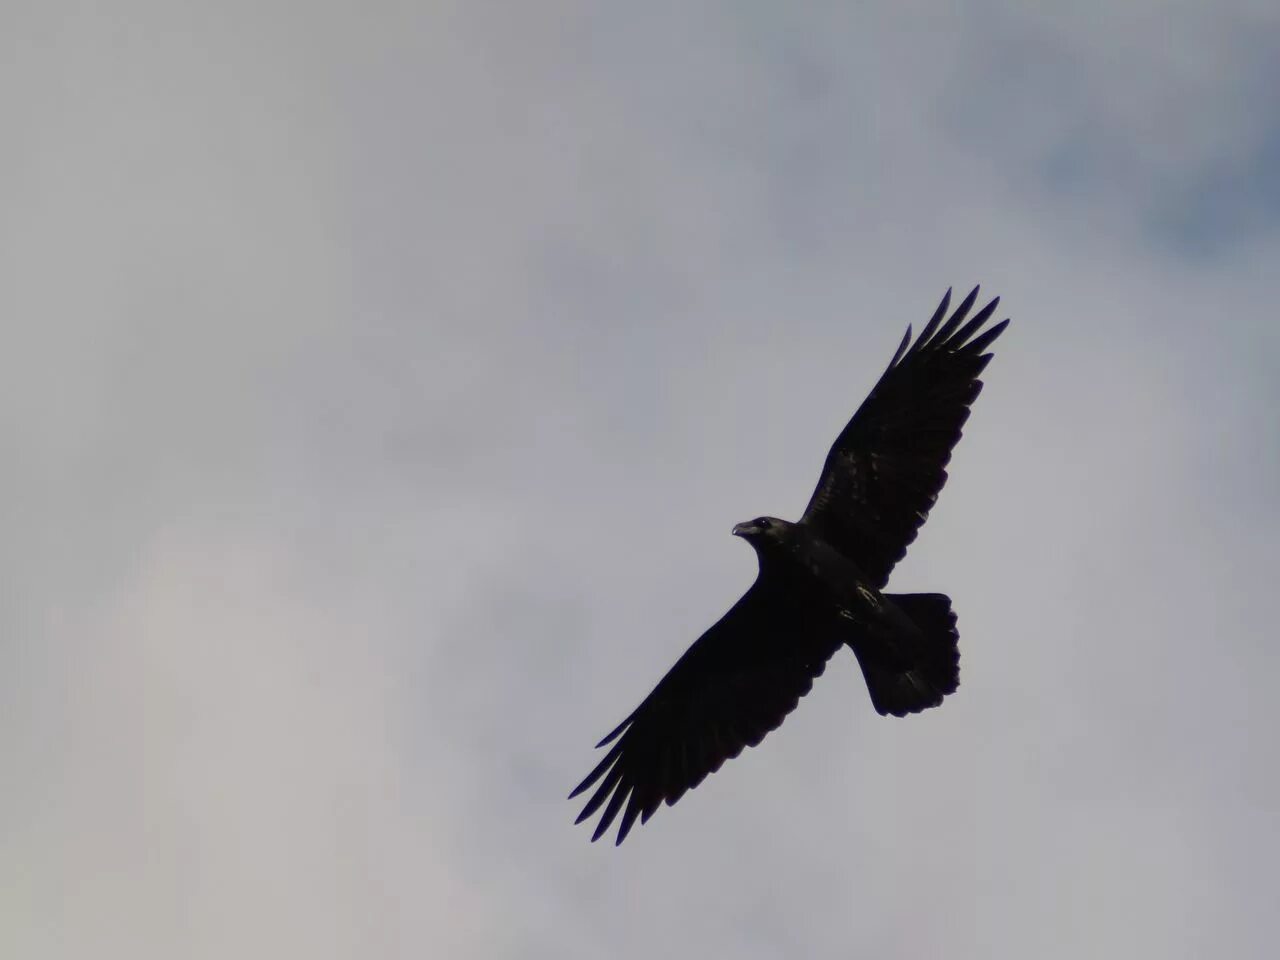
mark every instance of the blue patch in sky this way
{"type": "Point", "coordinates": [1235, 201]}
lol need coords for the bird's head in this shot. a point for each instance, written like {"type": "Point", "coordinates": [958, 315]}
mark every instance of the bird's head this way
{"type": "Point", "coordinates": [761, 529]}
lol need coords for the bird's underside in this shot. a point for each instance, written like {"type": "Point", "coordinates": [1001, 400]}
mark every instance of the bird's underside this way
{"type": "Point", "coordinates": [819, 587]}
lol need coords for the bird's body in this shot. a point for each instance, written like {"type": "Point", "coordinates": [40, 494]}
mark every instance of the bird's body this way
{"type": "Point", "coordinates": [818, 574]}
{"type": "Point", "coordinates": [820, 586]}
{"type": "Point", "coordinates": [841, 598]}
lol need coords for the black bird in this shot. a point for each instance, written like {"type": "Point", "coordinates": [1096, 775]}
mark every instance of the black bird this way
{"type": "Point", "coordinates": [820, 586]}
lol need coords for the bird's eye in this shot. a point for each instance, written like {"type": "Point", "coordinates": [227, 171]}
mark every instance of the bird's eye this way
{"type": "Point", "coordinates": [764, 522]}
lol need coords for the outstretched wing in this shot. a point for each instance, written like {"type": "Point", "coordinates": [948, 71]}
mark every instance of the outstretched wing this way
{"type": "Point", "coordinates": [888, 464]}
{"type": "Point", "coordinates": [735, 684]}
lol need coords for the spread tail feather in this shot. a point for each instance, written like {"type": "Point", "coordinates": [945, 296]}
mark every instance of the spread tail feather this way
{"type": "Point", "coordinates": [932, 670]}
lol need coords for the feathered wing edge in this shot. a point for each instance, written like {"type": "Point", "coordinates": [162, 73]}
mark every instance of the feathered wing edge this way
{"type": "Point", "coordinates": [730, 689]}
{"type": "Point", "coordinates": [946, 337]}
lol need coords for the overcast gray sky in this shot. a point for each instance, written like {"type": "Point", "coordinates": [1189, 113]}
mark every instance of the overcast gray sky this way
{"type": "Point", "coordinates": [380, 383]}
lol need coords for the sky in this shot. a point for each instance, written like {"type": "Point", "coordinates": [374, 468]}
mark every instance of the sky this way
{"type": "Point", "coordinates": [381, 383]}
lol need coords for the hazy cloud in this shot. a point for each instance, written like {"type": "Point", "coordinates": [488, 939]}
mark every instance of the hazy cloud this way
{"type": "Point", "coordinates": [382, 384]}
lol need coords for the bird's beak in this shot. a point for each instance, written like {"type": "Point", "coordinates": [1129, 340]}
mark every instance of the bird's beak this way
{"type": "Point", "coordinates": [743, 529]}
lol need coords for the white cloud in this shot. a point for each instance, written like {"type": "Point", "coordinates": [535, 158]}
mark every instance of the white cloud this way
{"type": "Point", "coordinates": [382, 387]}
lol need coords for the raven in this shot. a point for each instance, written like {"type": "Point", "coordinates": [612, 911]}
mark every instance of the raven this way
{"type": "Point", "coordinates": [819, 586]}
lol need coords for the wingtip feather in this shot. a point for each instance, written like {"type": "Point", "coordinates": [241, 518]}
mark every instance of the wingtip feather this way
{"type": "Point", "coordinates": [941, 335]}
{"type": "Point", "coordinates": [616, 730]}
{"type": "Point", "coordinates": [984, 340]}
{"type": "Point", "coordinates": [938, 314]}
{"type": "Point", "coordinates": [598, 771]}
{"type": "Point", "coordinates": [610, 812]}
{"type": "Point", "coordinates": [958, 341]}
{"type": "Point", "coordinates": [902, 347]}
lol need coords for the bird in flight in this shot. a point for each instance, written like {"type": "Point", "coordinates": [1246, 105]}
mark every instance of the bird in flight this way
{"type": "Point", "coordinates": [820, 586]}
